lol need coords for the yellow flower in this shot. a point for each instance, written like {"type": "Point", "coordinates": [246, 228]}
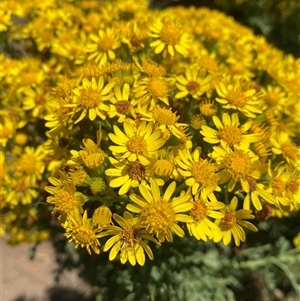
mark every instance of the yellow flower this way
{"type": "Point", "coordinates": [274, 97]}
{"type": "Point", "coordinates": [64, 196]}
{"type": "Point", "coordinates": [165, 120]}
{"type": "Point", "coordinates": [30, 165]}
{"type": "Point", "coordinates": [122, 105]}
{"type": "Point", "coordinates": [138, 143]}
{"type": "Point", "coordinates": [21, 193]}
{"type": "Point", "coordinates": [35, 100]}
{"type": "Point", "coordinates": [130, 174]}
{"type": "Point", "coordinates": [90, 99]}
{"type": "Point", "coordinates": [195, 83]}
{"type": "Point", "coordinates": [128, 240]}
{"type": "Point", "coordinates": [229, 130]}
{"type": "Point", "coordinates": [283, 145]}
{"type": "Point", "coordinates": [257, 191]}
{"type": "Point", "coordinates": [102, 46]}
{"type": "Point", "coordinates": [296, 240]}
{"type": "Point", "coordinates": [152, 89]}
{"type": "Point", "coordinates": [91, 155]}
{"type": "Point", "coordinates": [170, 35]}
{"type": "Point", "coordinates": [240, 96]}
{"type": "Point", "coordinates": [199, 173]}
{"type": "Point", "coordinates": [203, 209]}
{"type": "Point", "coordinates": [230, 224]}
{"type": "Point", "coordinates": [102, 217]}
{"type": "Point", "coordinates": [157, 213]}
{"type": "Point", "coordinates": [82, 231]}
{"type": "Point", "coordinates": [236, 165]}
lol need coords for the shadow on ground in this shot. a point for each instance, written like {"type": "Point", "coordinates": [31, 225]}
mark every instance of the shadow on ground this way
{"type": "Point", "coordinates": [59, 293]}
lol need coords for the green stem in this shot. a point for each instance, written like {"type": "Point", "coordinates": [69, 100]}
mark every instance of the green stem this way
{"type": "Point", "coordinates": [179, 188]}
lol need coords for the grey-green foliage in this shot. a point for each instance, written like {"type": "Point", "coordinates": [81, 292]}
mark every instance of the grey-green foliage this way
{"type": "Point", "coordinates": [189, 270]}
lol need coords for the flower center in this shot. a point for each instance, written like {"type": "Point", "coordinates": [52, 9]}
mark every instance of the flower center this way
{"type": "Point", "coordinates": [5, 132]}
{"type": "Point", "coordinates": [62, 111]}
{"type": "Point", "coordinates": [193, 86]}
{"type": "Point", "coordinates": [199, 210]}
{"type": "Point", "coordinates": [293, 186]}
{"type": "Point", "coordinates": [78, 176]}
{"type": "Point", "coordinates": [278, 184]}
{"type": "Point", "coordinates": [106, 44]}
{"type": "Point", "coordinates": [27, 164]}
{"type": "Point", "coordinates": [129, 237]}
{"type": "Point", "coordinates": [170, 35]}
{"type": "Point", "coordinates": [157, 217]}
{"type": "Point", "coordinates": [63, 201]}
{"type": "Point", "coordinates": [102, 216]}
{"type": "Point", "coordinates": [89, 98]}
{"type": "Point", "coordinates": [289, 150]}
{"type": "Point", "coordinates": [229, 220]}
{"type": "Point", "coordinates": [237, 98]}
{"type": "Point", "coordinates": [157, 87]}
{"type": "Point", "coordinates": [163, 168]}
{"type": "Point", "coordinates": [137, 171]}
{"type": "Point", "coordinates": [136, 144]}
{"type": "Point", "coordinates": [39, 99]}
{"type": "Point", "coordinates": [230, 134]}
{"type": "Point", "coordinates": [238, 164]}
{"type": "Point", "coordinates": [164, 116]}
{"type": "Point", "coordinates": [123, 106]}
{"type": "Point", "coordinates": [204, 173]}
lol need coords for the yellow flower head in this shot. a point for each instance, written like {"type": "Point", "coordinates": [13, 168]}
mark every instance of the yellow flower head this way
{"type": "Point", "coordinates": [82, 231]}
{"type": "Point", "coordinates": [159, 214]}
{"type": "Point", "coordinates": [199, 173]}
{"type": "Point", "coordinates": [203, 210]}
{"type": "Point", "coordinates": [128, 240]}
{"type": "Point", "coordinates": [138, 143]}
{"type": "Point", "coordinates": [195, 83]}
{"type": "Point", "coordinates": [230, 224]}
{"type": "Point", "coordinates": [236, 165]}
{"type": "Point", "coordinates": [169, 35]}
{"type": "Point", "coordinates": [90, 98]}
{"type": "Point", "coordinates": [229, 130]}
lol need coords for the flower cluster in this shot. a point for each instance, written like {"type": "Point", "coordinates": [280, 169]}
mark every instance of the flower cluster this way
{"type": "Point", "coordinates": [146, 124]}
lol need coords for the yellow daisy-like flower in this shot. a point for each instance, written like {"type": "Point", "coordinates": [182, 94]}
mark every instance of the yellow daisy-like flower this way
{"type": "Point", "coordinates": [30, 164]}
{"type": "Point", "coordinates": [203, 209]}
{"type": "Point", "coordinates": [102, 46]}
{"type": "Point", "coordinates": [138, 143]}
{"type": "Point", "coordinates": [63, 195]}
{"type": "Point", "coordinates": [102, 217]}
{"type": "Point", "coordinates": [130, 174]}
{"type": "Point", "coordinates": [128, 240]}
{"type": "Point", "coordinates": [122, 104]}
{"type": "Point", "coordinates": [35, 100]}
{"type": "Point", "coordinates": [152, 89]}
{"type": "Point", "coordinates": [82, 231]}
{"type": "Point", "coordinates": [238, 95]}
{"type": "Point", "coordinates": [237, 165]}
{"type": "Point", "coordinates": [257, 191]}
{"type": "Point", "coordinates": [165, 120]}
{"type": "Point", "coordinates": [22, 192]}
{"type": "Point", "coordinates": [282, 145]}
{"type": "Point", "coordinates": [274, 97]}
{"type": "Point", "coordinates": [159, 215]}
{"type": "Point", "coordinates": [91, 155]}
{"type": "Point", "coordinates": [90, 97]}
{"type": "Point", "coordinates": [199, 173]}
{"type": "Point", "coordinates": [230, 224]}
{"type": "Point", "coordinates": [195, 83]}
{"type": "Point", "coordinates": [169, 35]}
{"type": "Point", "coordinates": [229, 130]}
